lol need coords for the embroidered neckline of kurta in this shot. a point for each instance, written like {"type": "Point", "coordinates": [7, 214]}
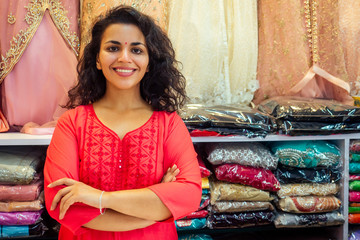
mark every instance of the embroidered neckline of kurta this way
{"type": "Point", "coordinates": [35, 13]}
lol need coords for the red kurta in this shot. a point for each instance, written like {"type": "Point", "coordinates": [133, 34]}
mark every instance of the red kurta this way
{"type": "Point", "coordinates": [84, 149]}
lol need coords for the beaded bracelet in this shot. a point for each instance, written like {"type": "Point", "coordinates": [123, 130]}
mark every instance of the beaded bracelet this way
{"type": "Point", "coordinates": [101, 212]}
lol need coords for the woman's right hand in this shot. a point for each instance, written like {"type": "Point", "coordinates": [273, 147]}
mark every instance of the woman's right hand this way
{"type": "Point", "coordinates": [170, 175]}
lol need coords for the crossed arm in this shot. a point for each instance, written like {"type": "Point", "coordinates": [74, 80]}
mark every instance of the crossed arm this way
{"type": "Point", "coordinates": [138, 209]}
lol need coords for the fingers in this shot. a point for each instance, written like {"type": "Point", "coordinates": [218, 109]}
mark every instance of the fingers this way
{"type": "Point", "coordinates": [62, 181]}
{"type": "Point", "coordinates": [171, 174]}
{"type": "Point", "coordinates": [59, 196]}
{"type": "Point", "coordinates": [66, 202]}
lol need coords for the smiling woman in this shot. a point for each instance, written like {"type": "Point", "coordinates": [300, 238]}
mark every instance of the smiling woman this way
{"type": "Point", "coordinates": [123, 65]}
{"type": "Point", "coordinates": [122, 147]}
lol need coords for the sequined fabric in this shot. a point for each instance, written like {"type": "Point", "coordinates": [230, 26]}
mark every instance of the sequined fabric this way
{"type": "Point", "coordinates": [247, 154]}
{"type": "Point", "coordinates": [305, 189]}
{"type": "Point", "coordinates": [223, 191]}
{"type": "Point", "coordinates": [309, 204]}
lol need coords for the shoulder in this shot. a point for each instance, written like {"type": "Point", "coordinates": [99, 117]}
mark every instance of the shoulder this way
{"type": "Point", "coordinates": [171, 123]}
{"type": "Point", "coordinates": [74, 115]}
{"type": "Point", "coordinates": [169, 118]}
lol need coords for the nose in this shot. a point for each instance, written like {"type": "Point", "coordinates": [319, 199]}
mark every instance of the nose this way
{"type": "Point", "coordinates": [124, 56]}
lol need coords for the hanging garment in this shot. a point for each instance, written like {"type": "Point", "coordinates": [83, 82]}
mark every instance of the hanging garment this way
{"type": "Point", "coordinates": [92, 9]}
{"type": "Point", "coordinates": [300, 51]}
{"type": "Point", "coordinates": [349, 18]}
{"type": "Point", "coordinates": [219, 65]}
{"type": "Point", "coordinates": [39, 44]}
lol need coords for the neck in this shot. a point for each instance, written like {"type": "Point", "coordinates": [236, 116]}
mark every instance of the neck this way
{"type": "Point", "coordinates": [122, 100]}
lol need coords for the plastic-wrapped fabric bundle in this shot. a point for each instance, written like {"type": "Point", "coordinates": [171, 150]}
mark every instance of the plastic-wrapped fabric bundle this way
{"type": "Point", "coordinates": [355, 157]}
{"type": "Point", "coordinates": [354, 167]}
{"type": "Point", "coordinates": [20, 165]}
{"type": "Point", "coordinates": [288, 220]}
{"type": "Point", "coordinates": [247, 154]}
{"type": "Point", "coordinates": [354, 177]}
{"type": "Point", "coordinates": [309, 204]}
{"type": "Point", "coordinates": [307, 154]}
{"type": "Point", "coordinates": [232, 206]}
{"type": "Point", "coordinates": [190, 224]}
{"type": "Point", "coordinates": [205, 201]}
{"type": "Point", "coordinates": [226, 119]}
{"type": "Point", "coordinates": [293, 128]}
{"type": "Point", "coordinates": [205, 183]}
{"type": "Point", "coordinates": [239, 220]}
{"type": "Point", "coordinates": [194, 237]}
{"type": "Point", "coordinates": [197, 214]}
{"type": "Point", "coordinates": [20, 218]}
{"type": "Point", "coordinates": [26, 231]}
{"type": "Point", "coordinates": [354, 218]}
{"type": "Point", "coordinates": [35, 205]}
{"type": "Point", "coordinates": [354, 196]}
{"type": "Point", "coordinates": [355, 146]}
{"type": "Point", "coordinates": [306, 189]}
{"type": "Point", "coordinates": [222, 191]}
{"type": "Point", "coordinates": [286, 174]}
{"type": "Point", "coordinates": [354, 235]}
{"type": "Point", "coordinates": [20, 192]}
{"type": "Point", "coordinates": [301, 109]}
{"type": "Point", "coordinates": [259, 178]}
{"type": "Point", "coordinates": [354, 185]}
{"type": "Point", "coordinates": [203, 170]}
{"type": "Point", "coordinates": [354, 209]}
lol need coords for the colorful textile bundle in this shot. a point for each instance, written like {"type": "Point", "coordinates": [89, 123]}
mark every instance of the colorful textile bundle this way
{"type": "Point", "coordinates": [21, 200]}
{"type": "Point", "coordinates": [308, 172]}
{"type": "Point", "coordinates": [240, 190]}
{"type": "Point", "coordinates": [354, 182]}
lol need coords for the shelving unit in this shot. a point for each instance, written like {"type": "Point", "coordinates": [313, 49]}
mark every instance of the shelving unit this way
{"type": "Point", "coordinates": [342, 141]}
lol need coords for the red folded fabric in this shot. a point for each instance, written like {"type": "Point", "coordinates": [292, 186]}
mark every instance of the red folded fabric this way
{"type": "Point", "coordinates": [259, 178]}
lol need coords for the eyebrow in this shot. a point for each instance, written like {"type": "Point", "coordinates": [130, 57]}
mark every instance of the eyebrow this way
{"type": "Point", "coordinates": [119, 43]}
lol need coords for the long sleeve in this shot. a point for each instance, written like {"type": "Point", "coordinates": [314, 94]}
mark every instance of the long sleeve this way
{"type": "Point", "coordinates": [63, 161]}
{"type": "Point", "coordinates": [183, 195]}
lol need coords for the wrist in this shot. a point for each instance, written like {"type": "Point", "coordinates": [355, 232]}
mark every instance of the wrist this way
{"type": "Point", "coordinates": [105, 200]}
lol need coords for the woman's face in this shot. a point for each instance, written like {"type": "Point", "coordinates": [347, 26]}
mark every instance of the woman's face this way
{"type": "Point", "coordinates": [123, 56]}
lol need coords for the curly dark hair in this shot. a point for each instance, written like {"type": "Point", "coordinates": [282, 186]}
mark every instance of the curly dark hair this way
{"type": "Point", "coordinates": [163, 86]}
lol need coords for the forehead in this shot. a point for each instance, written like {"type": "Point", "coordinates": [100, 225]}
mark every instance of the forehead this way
{"type": "Point", "coordinates": [123, 33]}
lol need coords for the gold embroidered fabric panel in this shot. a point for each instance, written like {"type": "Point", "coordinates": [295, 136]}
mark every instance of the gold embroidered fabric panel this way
{"type": "Point", "coordinates": [34, 15]}
{"type": "Point", "coordinates": [92, 9]}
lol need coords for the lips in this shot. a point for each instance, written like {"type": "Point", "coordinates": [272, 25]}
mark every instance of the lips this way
{"type": "Point", "coordinates": [124, 71]}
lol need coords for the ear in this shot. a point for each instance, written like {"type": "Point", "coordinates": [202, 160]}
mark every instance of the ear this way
{"type": "Point", "coordinates": [98, 66]}
{"type": "Point", "coordinates": [147, 68]}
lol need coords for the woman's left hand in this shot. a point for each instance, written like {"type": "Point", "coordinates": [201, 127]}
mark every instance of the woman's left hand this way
{"type": "Point", "coordinates": [74, 192]}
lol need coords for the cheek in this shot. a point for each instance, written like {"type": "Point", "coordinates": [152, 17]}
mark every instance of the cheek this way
{"type": "Point", "coordinates": [106, 59]}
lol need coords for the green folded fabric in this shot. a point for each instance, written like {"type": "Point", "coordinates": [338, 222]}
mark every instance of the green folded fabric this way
{"type": "Point", "coordinates": [354, 209]}
{"type": "Point", "coordinates": [354, 185]}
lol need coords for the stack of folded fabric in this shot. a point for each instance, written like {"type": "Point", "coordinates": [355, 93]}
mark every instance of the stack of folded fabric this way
{"type": "Point", "coordinates": [354, 182]}
{"type": "Point", "coordinates": [240, 194]}
{"type": "Point", "coordinates": [309, 116]}
{"type": "Point", "coordinates": [308, 172]}
{"type": "Point", "coordinates": [21, 200]}
{"type": "Point", "coordinates": [226, 120]}
{"type": "Point", "coordinates": [197, 219]}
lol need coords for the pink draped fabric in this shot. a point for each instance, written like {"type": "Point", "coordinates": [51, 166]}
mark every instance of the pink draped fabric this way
{"type": "Point", "coordinates": [42, 69]}
{"type": "Point", "coordinates": [300, 50]}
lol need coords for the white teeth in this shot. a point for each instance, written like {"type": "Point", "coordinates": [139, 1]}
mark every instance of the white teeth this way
{"type": "Point", "coordinates": [123, 70]}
